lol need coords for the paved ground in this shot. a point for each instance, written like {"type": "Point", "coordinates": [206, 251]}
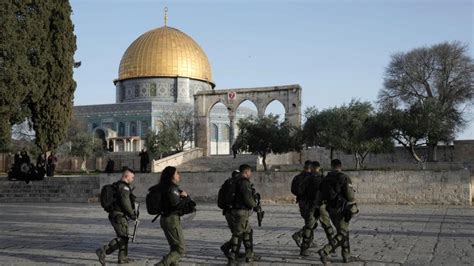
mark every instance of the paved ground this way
{"type": "Point", "coordinates": [35, 234]}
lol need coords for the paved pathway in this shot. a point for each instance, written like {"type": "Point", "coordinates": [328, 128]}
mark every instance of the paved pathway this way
{"type": "Point", "coordinates": [32, 234]}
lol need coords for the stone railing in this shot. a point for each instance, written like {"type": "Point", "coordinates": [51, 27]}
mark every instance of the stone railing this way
{"type": "Point", "coordinates": [176, 159]}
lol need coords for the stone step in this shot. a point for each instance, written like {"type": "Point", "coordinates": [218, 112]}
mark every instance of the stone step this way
{"type": "Point", "coordinates": [218, 163]}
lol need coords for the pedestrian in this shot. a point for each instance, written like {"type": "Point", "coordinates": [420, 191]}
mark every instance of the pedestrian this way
{"type": "Point", "coordinates": [298, 188]}
{"type": "Point", "coordinates": [109, 168]}
{"type": "Point", "coordinates": [51, 166]}
{"type": "Point", "coordinates": [337, 191]}
{"type": "Point", "coordinates": [310, 207]}
{"type": "Point", "coordinates": [175, 203]}
{"type": "Point", "coordinates": [144, 160]}
{"type": "Point", "coordinates": [123, 209]}
{"type": "Point", "coordinates": [225, 201]}
{"type": "Point", "coordinates": [244, 203]}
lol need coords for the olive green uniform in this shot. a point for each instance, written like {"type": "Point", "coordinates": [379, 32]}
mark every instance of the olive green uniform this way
{"type": "Point", "coordinates": [123, 209]}
{"type": "Point", "coordinates": [310, 211]}
{"type": "Point", "coordinates": [170, 221]}
{"type": "Point", "coordinates": [229, 217]}
{"type": "Point", "coordinates": [338, 214]}
{"type": "Point", "coordinates": [244, 202]}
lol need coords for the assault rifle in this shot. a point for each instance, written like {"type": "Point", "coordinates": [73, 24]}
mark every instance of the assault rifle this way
{"type": "Point", "coordinates": [258, 209]}
{"type": "Point", "coordinates": [135, 227]}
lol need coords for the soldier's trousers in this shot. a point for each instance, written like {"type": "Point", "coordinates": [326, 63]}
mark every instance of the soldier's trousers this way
{"type": "Point", "coordinates": [342, 237]}
{"type": "Point", "coordinates": [120, 224]}
{"type": "Point", "coordinates": [173, 230]}
{"type": "Point", "coordinates": [325, 221]}
{"type": "Point", "coordinates": [229, 217]}
{"type": "Point", "coordinates": [309, 213]}
{"type": "Point", "coordinates": [241, 231]}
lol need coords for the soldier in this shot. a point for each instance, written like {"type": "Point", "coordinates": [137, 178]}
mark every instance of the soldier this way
{"type": "Point", "coordinates": [244, 202]}
{"type": "Point", "coordinates": [225, 248]}
{"type": "Point", "coordinates": [122, 210]}
{"type": "Point", "coordinates": [338, 194]}
{"type": "Point", "coordinates": [297, 188]}
{"type": "Point", "coordinates": [174, 204]}
{"type": "Point", "coordinates": [310, 207]}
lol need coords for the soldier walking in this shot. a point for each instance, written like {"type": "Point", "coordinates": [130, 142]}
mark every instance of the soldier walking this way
{"type": "Point", "coordinates": [297, 188]}
{"type": "Point", "coordinates": [309, 207]}
{"type": "Point", "coordinates": [244, 203]}
{"type": "Point", "coordinates": [175, 203]}
{"type": "Point", "coordinates": [338, 194]}
{"type": "Point", "coordinates": [123, 208]}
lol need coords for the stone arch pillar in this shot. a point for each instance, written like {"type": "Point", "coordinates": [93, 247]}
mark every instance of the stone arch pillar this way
{"type": "Point", "coordinates": [289, 96]}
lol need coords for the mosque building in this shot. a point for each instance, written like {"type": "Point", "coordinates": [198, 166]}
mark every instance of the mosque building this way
{"type": "Point", "coordinates": [158, 73]}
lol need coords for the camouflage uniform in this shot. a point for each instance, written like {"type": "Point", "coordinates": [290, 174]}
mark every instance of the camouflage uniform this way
{"type": "Point", "coordinates": [170, 221]}
{"type": "Point", "coordinates": [123, 209]}
{"type": "Point", "coordinates": [339, 210]}
{"type": "Point", "coordinates": [244, 202]}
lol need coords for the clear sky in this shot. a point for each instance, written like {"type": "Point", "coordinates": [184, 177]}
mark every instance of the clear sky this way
{"type": "Point", "coordinates": [336, 50]}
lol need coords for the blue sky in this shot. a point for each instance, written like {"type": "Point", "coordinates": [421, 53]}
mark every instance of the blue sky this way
{"type": "Point", "coordinates": [336, 50]}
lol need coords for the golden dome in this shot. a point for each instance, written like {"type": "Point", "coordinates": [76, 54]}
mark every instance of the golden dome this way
{"type": "Point", "coordinates": [165, 52]}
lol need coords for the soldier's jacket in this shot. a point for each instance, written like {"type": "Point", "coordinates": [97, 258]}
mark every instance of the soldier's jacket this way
{"type": "Point", "coordinates": [125, 201]}
{"type": "Point", "coordinates": [312, 190]}
{"type": "Point", "coordinates": [339, 183]}
{"type": "Point", "coordinates": [173, 203]}
{"type": "Point", "coordinates": [244, 198]}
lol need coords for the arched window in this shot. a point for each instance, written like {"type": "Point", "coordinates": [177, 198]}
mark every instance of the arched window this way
{"type": "Point", "coordinates": [121, 129]}
{"type": "Point", "coordinates": [144, 128]}
{"type": "Point", "coordinates": [225, 134]}
{"type": "Point", "coordinates": [133, 128]}
{"type": "Point", "coordinates": [214, 132]}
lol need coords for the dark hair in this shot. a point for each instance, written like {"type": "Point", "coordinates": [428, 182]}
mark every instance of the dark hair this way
{"type": "Point", "coordinates": [167, 176]}
{"type": "Point", "coordinates": [244, 167]}
{"type": "Point", "coordinates": [336, 163]}
{"type": "Point", "coordinates": [307, 164]}
{"type": "Point", "coordinates": [315, 164]}
{"type": "Point", "coordinates": [125, 169]}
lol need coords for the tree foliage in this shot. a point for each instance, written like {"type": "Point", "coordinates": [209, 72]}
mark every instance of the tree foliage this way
{"type": "Point", "coordinates": [434, 84]}
{"type": "Point", "coordinates": [36, 66]}
{"type": "Point", "coordinates": [267, 135]}
{"type": "Point", "coordinates": [351, 128]}
{"type": "Point", "coordinates": [161, 142]}
{"type": "Point", "coordinates": [180, 121]}
{"type": "Point", "coordinates": [84, 145]}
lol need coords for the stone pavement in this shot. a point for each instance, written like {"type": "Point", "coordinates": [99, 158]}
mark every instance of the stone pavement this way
{"type": "Point", "coordinates": [55, 233]}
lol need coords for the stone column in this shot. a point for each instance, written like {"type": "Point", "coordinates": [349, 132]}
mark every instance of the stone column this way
{"type": "Point", "coordinates": [231, 129]}
{"type": "Point", "coordinates": [114, 148]}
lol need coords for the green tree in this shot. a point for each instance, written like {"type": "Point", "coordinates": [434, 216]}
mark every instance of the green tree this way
{"type": "Point", "coordinates": [324, 129]}
{"type": "Point", "coordinates": [267, 135]}
{"type": "Point", "coordinates": [180, 121]}
{"type": "Point", "coordinates": [84, 145]}
{"type": "Point", "coordinates": [36, 60]}
{"type": "Point", "coordinates": [439, 78]}
{"type": "Point", "coordinates": [161, 142]}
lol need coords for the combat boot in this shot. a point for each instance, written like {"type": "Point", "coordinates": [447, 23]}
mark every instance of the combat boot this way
{"type": "Point", "coordinates": [225, 248]}
{"type": "Point", "coordinates": [348, 259]}
{"type": "Point", "coordinates": [122, 258]}
{"type": "Point", "coordinates": [297, 238]}
{"type": "Point", "coordinates": [323, 257]}
{"type": "Point", "coordinates": [304, 253]}
{"type": "Point", "coordinates": [101, 254]}
{"type": "Point", "coordinates": [248, 244]}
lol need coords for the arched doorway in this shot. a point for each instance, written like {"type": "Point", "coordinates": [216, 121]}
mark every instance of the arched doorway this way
{"type": "Point", "coordinates": [219, 136]}
{"type": "Point", "coordinates": [99, 136]}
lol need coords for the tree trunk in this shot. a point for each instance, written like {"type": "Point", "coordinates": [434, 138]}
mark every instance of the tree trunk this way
{"type": "Point", "coordinates": [432, 152]}
{"type": "Point", "coordinates": [264, 157]}
{"type": "Point", "coordinates": [331, 156]}
{"type": "Point", "coordinates": [413, 153]}
{"type": "Point", "coordinates": [356, 159]}
{"type": "Point", "coordinates": [83, 165]}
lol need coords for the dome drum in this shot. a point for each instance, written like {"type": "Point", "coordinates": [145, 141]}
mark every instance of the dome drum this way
{"type": "Point", "coordinates": [159, 89]}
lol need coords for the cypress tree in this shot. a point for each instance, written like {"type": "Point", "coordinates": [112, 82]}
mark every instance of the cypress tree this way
{"type": "Point", "coordinates": [37, 46]}
{"type": "Point", "coordinates": [51, 104]}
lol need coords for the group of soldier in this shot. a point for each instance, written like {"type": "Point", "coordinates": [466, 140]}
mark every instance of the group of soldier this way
{"type": "Point", "coordinates": [327, 199]}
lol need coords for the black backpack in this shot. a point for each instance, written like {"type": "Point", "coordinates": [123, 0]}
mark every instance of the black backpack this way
{"type": "Point", "coordinates": [225, 197]}
{"type": "Point", "coordinates": [108, 196]}
{"type": "Point", "coordinates": [298, 185]}
{"type": "Point", "coordinates": [331, 185]}
{"type": "Point", "coordinates": [154, 201]}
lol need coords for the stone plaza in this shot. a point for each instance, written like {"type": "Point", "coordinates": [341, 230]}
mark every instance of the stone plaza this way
{"type": "Point", "coordinates": [66, 233]}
